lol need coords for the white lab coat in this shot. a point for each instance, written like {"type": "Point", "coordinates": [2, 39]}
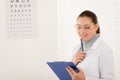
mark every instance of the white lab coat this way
{"type": "Point", "coordinates": [98, 63]}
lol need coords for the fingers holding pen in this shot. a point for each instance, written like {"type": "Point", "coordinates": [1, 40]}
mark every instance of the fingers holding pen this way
{"type": "Point", "coordinates": [79, 57]}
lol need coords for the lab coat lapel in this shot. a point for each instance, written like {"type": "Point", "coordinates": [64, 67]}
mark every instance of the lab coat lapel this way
{"type": "Point", "coordinates": [97, 43]}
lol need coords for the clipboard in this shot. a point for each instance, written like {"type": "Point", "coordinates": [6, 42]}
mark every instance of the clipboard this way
{"type": "Point", "coordinates": [59, 68]}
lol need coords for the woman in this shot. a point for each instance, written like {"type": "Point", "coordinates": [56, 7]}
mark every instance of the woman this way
{"type": "Point", "coordinates": [96, 60]}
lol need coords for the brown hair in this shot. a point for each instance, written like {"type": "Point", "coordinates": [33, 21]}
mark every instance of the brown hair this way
{"type": "Point", "coordinates": [92, 15]}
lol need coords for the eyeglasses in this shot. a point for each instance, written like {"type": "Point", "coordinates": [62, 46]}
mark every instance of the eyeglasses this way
{"type": "Point", "coordinates": [78, 27]}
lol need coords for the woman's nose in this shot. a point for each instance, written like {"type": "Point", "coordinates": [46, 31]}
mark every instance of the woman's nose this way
{"type": "Point", "coordinates": [81, 31]}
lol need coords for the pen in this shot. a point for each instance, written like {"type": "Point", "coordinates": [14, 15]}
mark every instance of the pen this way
{"type": "Point", "coordinates": [81, 48]}
{"type": "Point", "coordinates": [81, 44]}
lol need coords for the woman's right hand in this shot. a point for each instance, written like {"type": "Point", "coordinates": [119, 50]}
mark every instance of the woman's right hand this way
{"type": "Point", "coordinates": [78, 57]}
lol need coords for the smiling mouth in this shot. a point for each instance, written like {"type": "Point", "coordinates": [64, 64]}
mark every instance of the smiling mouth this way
{"type": "Point", "coordinates": [83, 36]}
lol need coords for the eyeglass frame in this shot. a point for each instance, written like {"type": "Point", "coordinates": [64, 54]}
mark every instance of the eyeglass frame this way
{"type": "Point", "coordinates": [85, 28]}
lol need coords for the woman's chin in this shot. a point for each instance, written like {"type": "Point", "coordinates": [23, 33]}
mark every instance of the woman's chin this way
{"type": "Point", "coordinates": [85, 39]}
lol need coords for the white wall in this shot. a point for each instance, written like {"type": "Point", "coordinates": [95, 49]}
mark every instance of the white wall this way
{"type": "Point", "coordinates": [25, 59]}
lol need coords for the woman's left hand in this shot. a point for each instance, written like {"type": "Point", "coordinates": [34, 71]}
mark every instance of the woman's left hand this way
{"type": "Point", "coordinates": [76, 75]}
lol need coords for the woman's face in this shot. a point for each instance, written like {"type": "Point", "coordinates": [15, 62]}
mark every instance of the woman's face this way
{"type": "Point", "coordinates": [86, 29]}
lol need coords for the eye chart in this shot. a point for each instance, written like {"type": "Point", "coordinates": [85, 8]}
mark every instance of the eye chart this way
{"type": "Point", "coordinates": [21, 20]}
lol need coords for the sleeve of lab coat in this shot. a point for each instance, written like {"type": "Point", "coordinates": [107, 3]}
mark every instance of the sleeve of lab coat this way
{"type": "Point", "coordinates": [106, 67]}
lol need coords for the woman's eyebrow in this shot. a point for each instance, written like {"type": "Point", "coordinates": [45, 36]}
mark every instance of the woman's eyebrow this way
{"type": "Point", "coordinates": [84, 24]}
{"type": "Point", "coordinates": [87, 25]}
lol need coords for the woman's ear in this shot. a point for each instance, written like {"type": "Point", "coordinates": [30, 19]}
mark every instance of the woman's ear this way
{"type": "Point", "coordinates": [96, 26]}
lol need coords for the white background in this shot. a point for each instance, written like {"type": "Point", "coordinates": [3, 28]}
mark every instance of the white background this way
{"type": "Point", "coordinates": [25, 59]}
{"type": "Point", "coordinates": [108, 13]}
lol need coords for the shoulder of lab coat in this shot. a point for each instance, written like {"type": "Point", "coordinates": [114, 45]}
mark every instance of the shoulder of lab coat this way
{"type": "Point", "coordinates": [106, 67]}
{"type": "Point", "coordinates": [101, 44]}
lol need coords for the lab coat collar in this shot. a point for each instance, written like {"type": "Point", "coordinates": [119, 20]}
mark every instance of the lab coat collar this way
{"type": "Point", "coordinates": [97, 43]}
